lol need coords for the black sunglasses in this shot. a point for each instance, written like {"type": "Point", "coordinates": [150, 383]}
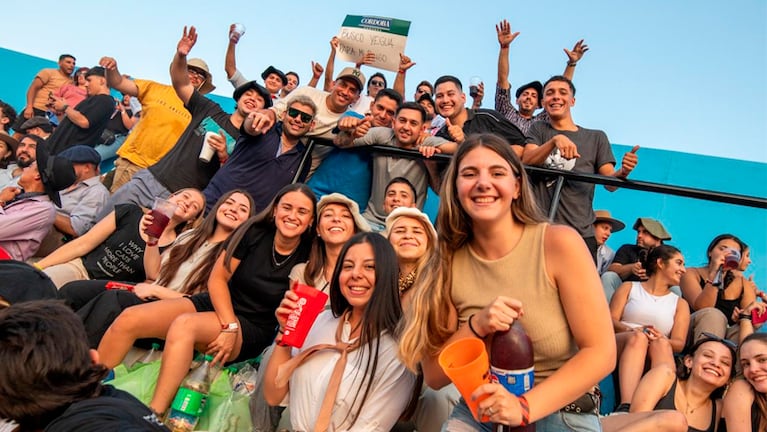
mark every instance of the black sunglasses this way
{"type": "Point", "coordinates": [707, 337]}
{"type": "Point", "coordinates": [377, 83]}
{"type": "Point", "coordinates": [293, 113]}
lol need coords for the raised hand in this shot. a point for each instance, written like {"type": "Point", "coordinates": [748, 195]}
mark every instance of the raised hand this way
{"type": "Point", "coordinates": [334, 43]}
{"type": "Point", "coordinates": [188, 39]}
{"type": "Point", "coordinates": [505, 36]}
{"type": "Point", "coordinates": [576, 54]}
{"type": "Point", "coordinates": [455, 131]}
{"type": "Point", "coordinates": [629, 162]}
{"type": "Point", "coordinates": [405, 62]}
{"type": "Point", "coordinates": [317, 69]}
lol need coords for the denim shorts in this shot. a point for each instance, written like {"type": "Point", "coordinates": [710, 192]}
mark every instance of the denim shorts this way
{"type": "Point", "coordinates": [461, 420]}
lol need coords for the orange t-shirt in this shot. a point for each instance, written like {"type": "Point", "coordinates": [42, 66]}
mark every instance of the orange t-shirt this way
{"type": "Point", "coordinates": [52, 80]}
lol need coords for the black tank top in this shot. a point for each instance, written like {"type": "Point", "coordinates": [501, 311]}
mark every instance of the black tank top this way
{"type": "Point", "coordinates": [667, 402]}
{"type": "Point", "coordinates": [724, 305]}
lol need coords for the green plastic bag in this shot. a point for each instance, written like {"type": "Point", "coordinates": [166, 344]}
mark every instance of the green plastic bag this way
{"type": "Point", "coordinates": [225, 410]}
{"type": "Point", "coordinates": [140, 380]}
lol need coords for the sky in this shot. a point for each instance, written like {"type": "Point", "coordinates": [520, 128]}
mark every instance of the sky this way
{"type": "Point", "coordinates": [684, 76]}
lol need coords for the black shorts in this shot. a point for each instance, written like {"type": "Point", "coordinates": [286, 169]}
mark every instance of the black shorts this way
{"type": "Point", "coordinates": [254, 338]}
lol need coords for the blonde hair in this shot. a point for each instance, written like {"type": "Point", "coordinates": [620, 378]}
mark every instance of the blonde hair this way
{"type": "Point", "coordinates": [426, 325]}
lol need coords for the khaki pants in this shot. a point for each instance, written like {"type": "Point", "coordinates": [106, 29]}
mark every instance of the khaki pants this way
{"type": "Point", "coordinates": [70, 271]}
{"type": "Point", "coordinates": [124, 171]}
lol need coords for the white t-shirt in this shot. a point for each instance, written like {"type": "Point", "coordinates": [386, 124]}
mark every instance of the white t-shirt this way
{"type": "Point", "coordinates": [389, 394]}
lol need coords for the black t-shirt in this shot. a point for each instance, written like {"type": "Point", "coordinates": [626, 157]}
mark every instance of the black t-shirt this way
{"type": "Point", "coordinates": [113, 410]}
{"type": "Point", "coordinates": [97, 110]}
{"type": "Point", "coordinates": [115, 123]}
{"type": "Point", "coordinates": [121, 255]}
{"type": "Point", "coordinates": [628, 254]}
{"type": "Point", "coordinates": [181, 167]}
{"type": "Point", "coordinates": [258, 285]}
{"type": "Point", "coordinates": [488, 121]}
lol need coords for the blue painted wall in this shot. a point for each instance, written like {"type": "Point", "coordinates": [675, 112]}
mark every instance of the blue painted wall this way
{"type": "Point", "coordinates": [691, 222]}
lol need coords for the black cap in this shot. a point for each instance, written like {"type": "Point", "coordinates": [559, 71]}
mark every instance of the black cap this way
{"type": "Point", "coordinates": [21, 282]}
{"type": "Point", "coordinates": [257, 87]}
{"type": "Point", "coordinates": [535, 85]}
{"type": "Point", "coordinates": [274, 70]}
{"type": "Point", "coordinates": [56, 173]}
{"type": "Point", "coordinates": [81, 154]}
{"type": "Point", "coordinates": [37, 121]}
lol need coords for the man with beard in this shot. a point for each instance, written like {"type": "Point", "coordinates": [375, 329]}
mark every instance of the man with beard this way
{"type": "Point", "coordinates": [26, 211]}
{"type": "Point", "coordinates": [262, 163]}
{"type": "Point", "coordinates": [26, 153]}
{"type": "Point", "coordinates": [83, 124]}
{"type": "Point", "coordinates": [181, 167]}
{"type": "Point", "coordinates": [404, 133]}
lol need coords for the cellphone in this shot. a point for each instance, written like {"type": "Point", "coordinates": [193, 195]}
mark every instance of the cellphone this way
{"type": "Point", "coordinates": [756, 318]}
{"type": "Point", "coordinates": [119, 286]}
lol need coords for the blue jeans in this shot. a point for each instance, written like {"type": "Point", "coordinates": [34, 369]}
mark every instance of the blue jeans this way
{"type": "Point", "coordinates": [461, 420]}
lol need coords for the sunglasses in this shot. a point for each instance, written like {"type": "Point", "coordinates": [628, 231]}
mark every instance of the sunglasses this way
{"type": "Point", "coordinates": [293, 113]}
{"type": "Point", "coordinates": [712, 337]}
{"type": "Point", "coordinates": [377, 83]}
{"type": "Point", "coordinates": [195, 72]}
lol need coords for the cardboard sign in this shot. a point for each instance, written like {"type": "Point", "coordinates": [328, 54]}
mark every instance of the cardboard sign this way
{"type": "Point", "coordinates": [386, 37]}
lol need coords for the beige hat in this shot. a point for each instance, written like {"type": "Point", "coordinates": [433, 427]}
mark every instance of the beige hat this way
{"type": "Point", "coordinates": [353, 74]}
{"type": "Point", "coordinates": [414, 213]}
{"type": "Point", "coordinates": [200, 64]}
{"type": "Point", "coordinates": [337, 198]}
{"type": "Point", "coordinates": [605, 216]}
{"type": "Point", "coordinates": [654, 227]}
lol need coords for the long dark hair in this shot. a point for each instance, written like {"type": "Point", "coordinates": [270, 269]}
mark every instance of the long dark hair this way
{"type": "Point", "coordinates": [684, 374]}
{"type": "Point", "coordinates": [729, 277]}
{"type": "Point", "coordinates": [382, 312]}
{"type": "Point", "coordinates": [197, 280]}
{"type": "Point", "coordinates": [759, 398]}
{"type": "Point", "coordinates": [265, 219]}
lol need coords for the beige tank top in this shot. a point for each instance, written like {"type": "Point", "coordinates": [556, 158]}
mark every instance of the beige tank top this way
{"type": "Point", "coordinates": [521, 274]}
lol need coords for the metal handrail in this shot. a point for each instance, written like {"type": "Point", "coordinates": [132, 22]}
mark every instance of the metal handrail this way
{"type": "Point", "coordinates": [689, 192]}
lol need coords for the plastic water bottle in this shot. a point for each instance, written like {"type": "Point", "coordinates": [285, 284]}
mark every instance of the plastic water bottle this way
{"type": "Point", "coordinates": [189, 402]}
{"type": "Point", "coordinates": [512, 365]}
{"type": "Point", "coordinates": [151, 355]}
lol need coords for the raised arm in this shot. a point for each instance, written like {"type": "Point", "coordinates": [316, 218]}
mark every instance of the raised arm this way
{"type": "Point", "coordinates": [317, 70]}
{"type": "Point", "coordinates": [330, 65]}
{"type": "Point", "coordinates": [178, 67]}
{"type": "Point", "coordinates": [230, 61]}
{"type": "Point", "coordinates": [115, 80]}
{"type": "Point", "coordinates": [405, 63]}
{"type": "Point", "coordinates": [573, 57]}
{"type": "Point", "coordinates": [505, 38]}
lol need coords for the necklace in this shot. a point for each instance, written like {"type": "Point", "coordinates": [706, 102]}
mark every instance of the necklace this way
{"type": "Point", "coordinates": [279, 264]}
{"type": "Point", "coordinates": [406, 282]}
{"type": "Point", "coordinates": [687, 407]}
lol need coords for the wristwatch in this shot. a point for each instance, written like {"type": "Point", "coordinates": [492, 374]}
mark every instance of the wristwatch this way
{"type": "Point", "coordinates": [231, 327]}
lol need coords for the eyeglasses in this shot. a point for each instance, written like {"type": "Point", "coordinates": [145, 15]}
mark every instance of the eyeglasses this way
{"type": "Point", "coordinates": [712, 337]}
{"type": "Point", "coordinates": [378, 83]}
{"type": "Point", "coordinates": [421, 91]}
{"type": "Point", "coordinates": [293, 113]}
{"type": "Point", "coordinates": [195, 72]}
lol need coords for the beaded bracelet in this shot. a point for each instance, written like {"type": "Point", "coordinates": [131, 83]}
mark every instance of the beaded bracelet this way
{"type": "Point", "coordinates": [471, 327]}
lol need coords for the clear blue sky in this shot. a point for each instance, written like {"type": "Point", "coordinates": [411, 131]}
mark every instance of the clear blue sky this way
{"type": "Point", "coordinates": [685, 76]}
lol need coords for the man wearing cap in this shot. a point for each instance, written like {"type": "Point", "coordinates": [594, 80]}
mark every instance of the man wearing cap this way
{"type": "Point", "coordinates": [435, 121]}
{"type": "Point", "coordinates": [38, 126]}
{"type": "Point", "coordinates": [182, 167]}
{"type": "Point", "coordinates": [274, 79]}
{"type": "Point", "coordinates": [26, 211]}
{"type": "Point", "coordinates": [163, 117]}
{"type": "Point", "coordinates": [84, 123]}
{"type": "Point", "coordinates": [46, 81]}
{"type": "Point", "coordinates": [604, 227]}
{"type": "Point", "coordinates": [627, 266]}
{"type": "Point", "coordinates": [262, 163]}
{"type": "Point", "coordinates": [81, 202]}
{"type": "Point", "coordinates": [529, 95]}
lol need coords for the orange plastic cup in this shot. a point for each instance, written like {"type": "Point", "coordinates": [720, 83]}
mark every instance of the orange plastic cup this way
{"type": "Point", "coordinates": [466, 363]}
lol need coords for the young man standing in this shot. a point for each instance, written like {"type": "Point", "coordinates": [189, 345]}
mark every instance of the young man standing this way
{"type": "Point", "coordinates": [561, 144]}
{"type": "Point", "coordinates": [46, 81]}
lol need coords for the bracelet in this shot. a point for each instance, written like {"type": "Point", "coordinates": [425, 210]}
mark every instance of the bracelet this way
{"type": "Point", "coordinates": [504, 45]}
{"type": "Point", "coordinates": [229, 331]}
{"type": "Point", "coordinates": [571, 64]}
{"type": "Point", "coordinates": [38, 266]}
{"type": "Point", "coordinates": [744, 317]}
{"type": "Point", "coordinates": [471, 327]}
{"type": "Point", "coordinates": [525, 410]}
{"type": "Point", "coordinates": [64, 108]}
{"type": "Point", "coordinates": [401, 72]}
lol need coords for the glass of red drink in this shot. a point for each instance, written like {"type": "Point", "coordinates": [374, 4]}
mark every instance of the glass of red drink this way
{"type": "Point", "coordinates": [162, 211]}
{"type": "Point", "coordinates": [732, 259]}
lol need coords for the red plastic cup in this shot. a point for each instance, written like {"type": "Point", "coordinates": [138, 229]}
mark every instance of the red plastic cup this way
{"type": "Point", "coordinates": [162, 211]}
{"type": "Point", "coordinates": [310, 303]}
{"type": "Point", "coordinates": [732, 259]}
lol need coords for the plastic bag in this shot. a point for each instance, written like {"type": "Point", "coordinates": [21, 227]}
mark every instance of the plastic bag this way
{"type": "Point", "coordinates": [140, 380]}
{"type": "Point", "coordinates": [225, 410]}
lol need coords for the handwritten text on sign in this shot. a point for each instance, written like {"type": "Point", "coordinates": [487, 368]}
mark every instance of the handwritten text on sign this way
{"type": "Point", "coordinates": [386, 37]}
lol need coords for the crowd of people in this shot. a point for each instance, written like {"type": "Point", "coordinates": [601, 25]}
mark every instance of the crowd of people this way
{"type": "Point", "coordinates": [680, 345]}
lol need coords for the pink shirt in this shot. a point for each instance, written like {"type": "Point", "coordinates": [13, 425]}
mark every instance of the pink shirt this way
{"type": "Point", "coordinates": [24, 224]}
